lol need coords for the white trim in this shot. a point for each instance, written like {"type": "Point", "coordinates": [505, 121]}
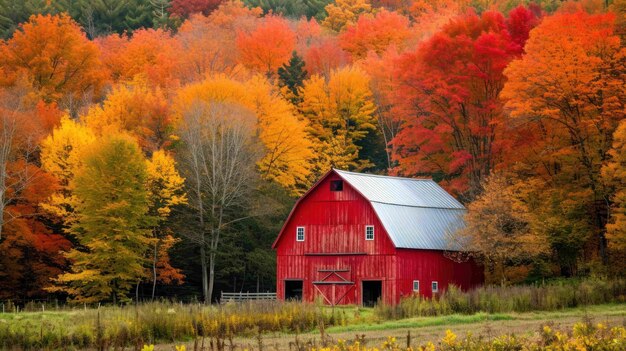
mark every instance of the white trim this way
{"type": "Point", "coordinates": [434, 286]}
{"type": "Point", "coordinates": [418, 286]}
{"type": "Point", "coordinates": [298, 234]}
{"type": "Point", "coordinates": [366, 228]}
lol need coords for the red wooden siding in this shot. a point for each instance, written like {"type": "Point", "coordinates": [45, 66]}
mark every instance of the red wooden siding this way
{"type": "Point", "coordinates": [428, 266]}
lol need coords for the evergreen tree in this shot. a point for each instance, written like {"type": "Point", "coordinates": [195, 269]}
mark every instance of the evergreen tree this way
{"type": "Point", "coordinates": [160, 15]}
{"type": "Point", "coordinates": [292, 8]}
{"type": "Point", "coordinates": [111, 221]}
{"type": "Point", "coordinates": [291, 76]}
{"type": "Point", "coordinates": [13, 12]}
{"type": "Point", "coordinates": [138, 15]}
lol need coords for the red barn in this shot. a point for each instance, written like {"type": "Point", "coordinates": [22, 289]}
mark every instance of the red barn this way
{"type": "Point", "coordinates": [358, 238]}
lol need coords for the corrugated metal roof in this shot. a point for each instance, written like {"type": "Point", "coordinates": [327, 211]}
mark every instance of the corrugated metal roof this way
{"type": "Point", "coordinates": [420, 227]}
{"type": "Point", "coordinates": [401, 191]}
{"type": "Point", "coordinates": [416, 213]}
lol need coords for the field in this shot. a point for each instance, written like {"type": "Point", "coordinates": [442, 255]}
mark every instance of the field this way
{"type": "Point", "coordinates": [488, 312]}
{"type": "Point", "coordinates": [358, 323]}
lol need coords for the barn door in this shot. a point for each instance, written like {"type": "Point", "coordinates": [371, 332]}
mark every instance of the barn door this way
{"type": "Point", "coordinates": [334, 285]}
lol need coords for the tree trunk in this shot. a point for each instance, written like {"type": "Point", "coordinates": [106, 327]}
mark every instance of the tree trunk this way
{"type": "Point", "coordinates": [211, 275]}
{"type": "Point", "coordinates": [154, 270]}
{"type": "Point", "coordinates": [205, 281]}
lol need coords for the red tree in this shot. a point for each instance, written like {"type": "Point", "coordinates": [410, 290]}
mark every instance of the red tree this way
{"type": "Point", "coordinates": [185, 8]}
{"type": "Point", "coordinates": [449, 89]}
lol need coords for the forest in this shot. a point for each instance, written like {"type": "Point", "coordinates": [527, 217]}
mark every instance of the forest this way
{"type": "Point", "coordinates": [153, 148]}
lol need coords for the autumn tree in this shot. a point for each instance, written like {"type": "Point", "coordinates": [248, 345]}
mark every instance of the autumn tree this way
{"type": "Point", "coordinates": [566, 102]}
{"type": "Point", "coordinates": [449, 91]}
{"type": "Point", "coordinates": [376, 34]}
{"type": "Point", "coordinates": [268, 46]}
{"type": "Point", "coordinates": [499, 231]}
{"type": "Point", "coordinates": [151, 54]}
{"type": "Point", "coordinates": [165, 191]}
{"type": "Point", "coordinates": [135, 108]}
{"type": "Point", "coordinates": [286, 149]}
{"type": "Point", "coordinates": [343, 13]}
{"type": "Point", "coordinates": [341, 113]}
{"type": "Point", "coordinates": [380, 69]}
{"type": "Point", "coordinates": [185, 8]}
{"type": "Point", "coordinates": [61, 156]}
{"type": "Point", "coordinates": [210, 43]}
{"type": "Point", "coordinates": [111, 223]}
{"type": "Point", "coordinates": [614, 176]}
{"type": "Point", "coordinates": [64, 67]}
{"type": "Point", "coordinates": [218, 157]}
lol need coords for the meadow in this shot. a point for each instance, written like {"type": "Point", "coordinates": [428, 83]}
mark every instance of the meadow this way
{"type": "Point", "coordinates": [502, 310]}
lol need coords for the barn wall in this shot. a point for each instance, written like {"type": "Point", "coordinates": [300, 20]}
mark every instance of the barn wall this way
{"type": "Point", "coordinates": [335, 224]}
{"type": "Point", "coordinates": [306, 268]}
{"type": "Point", "coordinates": [430, 265]}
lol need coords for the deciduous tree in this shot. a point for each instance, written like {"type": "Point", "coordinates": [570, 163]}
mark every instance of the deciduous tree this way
{"type": "Point", "coordinates": [343, 13]}
{"type": "Point", "coordinates": [218, 157]}
{"type": "Point", "coordinates": [566, 99]}
{"type": "Point", "coordinates": [111, 224]}
{"type": "Point", "coordinates": [56, 58]}
{"type": "Point", "coordinates": [341, 113]}
{"type": "Point", "coordinates": [376, 34]}
{"type": "Point", "coordinates": [268, 46]}
{"type": "Point", "coordinates": [449, 87]}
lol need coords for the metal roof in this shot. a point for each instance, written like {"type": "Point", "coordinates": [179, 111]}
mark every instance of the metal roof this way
{"type": "Point", "coordinates": [416, 213]}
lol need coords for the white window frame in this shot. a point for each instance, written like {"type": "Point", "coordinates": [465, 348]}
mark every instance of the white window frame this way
{"type": "Point", "coordinates": [434, 286]}
{"type": "Point", "coordinates": [373, 234]}
{"type": "Point", "coordinates": [298, 234]}
{"type": "Point", "coordinates": [416, 282]}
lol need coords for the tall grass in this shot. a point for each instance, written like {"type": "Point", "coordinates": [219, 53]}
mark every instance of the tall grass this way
{"type": "Point", "coordinates": [118, 327]}
{"type": "Point", "coordinates": [501, 299]}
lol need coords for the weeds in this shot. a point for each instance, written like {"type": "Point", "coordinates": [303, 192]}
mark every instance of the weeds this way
{"type": "Point", "coordinates": [503, 299]}
{"type": "Point", "coordinates": [118, 327]}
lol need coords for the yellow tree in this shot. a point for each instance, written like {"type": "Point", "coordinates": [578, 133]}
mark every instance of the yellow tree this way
{"type": "Point", "coordinates": [287, 147]}
{"type": "Point", "coordinates": [61, 157]}
{"type": "Point", "coordinates": [344, 13]}
{"type": "Point", "coordinates": [499, 229]}
{"type": "Point", "coordinates": [112, 221]}
{"type": "Point", "coordinates": [341, 113]}
{"type": "Point", "coordinates": [137, 109]}
{"type": "Point", "coordinates": [165, 190]}
{"type": "Point", "coordinates": [614, 174]}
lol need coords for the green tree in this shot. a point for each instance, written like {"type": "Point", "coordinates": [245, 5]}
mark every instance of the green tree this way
{"type": "Point", "coordinates": [112, 217]}
{"type": "Point", "coordinates": [292, 8]}
{"type": "Point", "coordinates": [160, 15]}
{"type": "Point", "coordinates": [13, 12]}
{"type": "Point", "coordinates": [291, 76]}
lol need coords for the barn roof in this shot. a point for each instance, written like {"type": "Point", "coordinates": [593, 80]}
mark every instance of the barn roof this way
{"type": "Point", "coordinates": [416, 213]}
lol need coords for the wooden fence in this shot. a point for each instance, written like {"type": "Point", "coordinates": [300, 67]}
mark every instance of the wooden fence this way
{"type": "Point", "coordinates": [245, 296]}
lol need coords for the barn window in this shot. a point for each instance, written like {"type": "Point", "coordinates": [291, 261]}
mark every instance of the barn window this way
{"type": "Point", "coordinates": [369, 232]}
{"type": "Point", "coordinates": [336, 185]}
{"type": "Point", "coordinates": [416, 285]}
{"type": "Point", "coordinates": [435, 287]}
{"type": "Point", "coordinates": [300, 234]}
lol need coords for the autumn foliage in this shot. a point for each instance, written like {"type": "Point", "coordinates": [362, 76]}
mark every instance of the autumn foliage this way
{"type": "Point", "coordinates": [518, 110]}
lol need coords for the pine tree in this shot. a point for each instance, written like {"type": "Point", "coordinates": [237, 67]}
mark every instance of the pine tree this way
{"type": "Point", "coordinates": [160, 15]}
{"type": "Point", "coordinates": [112, 217]}
{"type": "Point", "coordinates": [292, 75]}
{"type": "Point", "coordinates": [13, 12]}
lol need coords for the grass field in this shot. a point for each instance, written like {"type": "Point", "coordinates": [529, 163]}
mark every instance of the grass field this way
{"type": "Point", "coordinates": [424, 329]}
{"type": "Point", "coordinates": [362, 323]}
